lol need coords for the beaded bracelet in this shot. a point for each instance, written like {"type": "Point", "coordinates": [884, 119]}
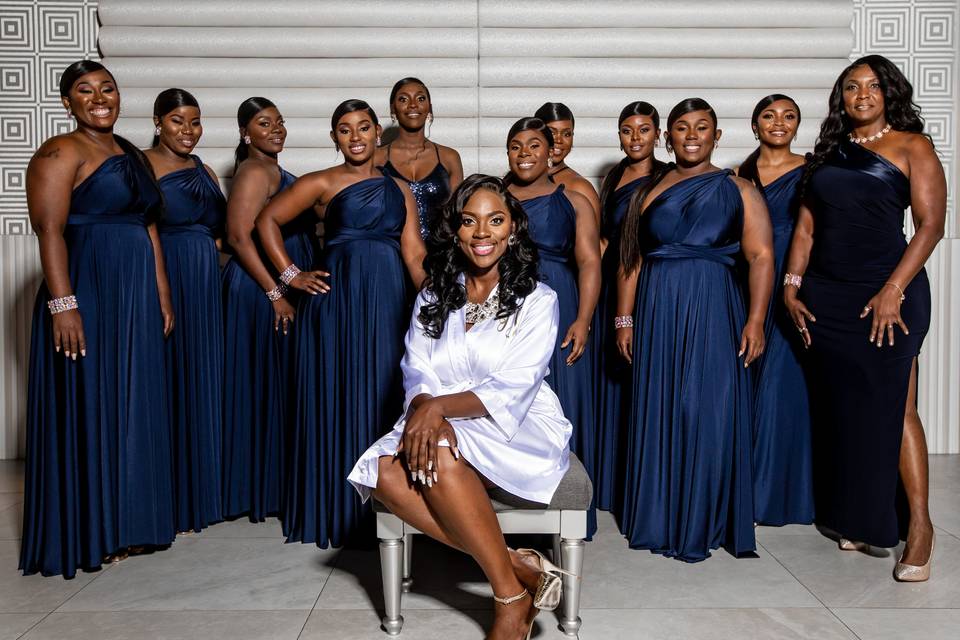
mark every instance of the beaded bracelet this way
{"type": "Point", "coordinates": [792, 279]}
{"type": "Point", "coordinates": [277, 292]}
{"type": "Point", "coordinates": [288, 274]}
{"type": "Point", "coordinates": [622, 322]}
{"type": "Point", "coordinates": [59, 305]}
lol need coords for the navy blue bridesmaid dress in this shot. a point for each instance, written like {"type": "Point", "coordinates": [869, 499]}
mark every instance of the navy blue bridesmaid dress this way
{"type": "Point", "coordinates": [689, 485]}
{"type": "Point", "coordinates": [553, 228]}
{"type": "Point", "coordinates": [258, 379]}
{"type": "Point", "coordinates": [98, 436]}
{"type": "Point", "coordinates": [612, 381]}
{"type": "Point", "coordinates": [782, 447]}
{"type": "Point", "coordinates": [349, 347]}
{"type": "Point", "coordinates": [194, 212]}
{"type": "Point", "coordinates": [430, 192]}
{"type": "Point", "coordinates": [859, 392]}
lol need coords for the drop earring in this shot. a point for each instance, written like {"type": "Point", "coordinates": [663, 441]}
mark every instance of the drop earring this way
{"type": "Point", "coordinates": [156, 131]}
{"type": "Point", "coordinates": [393, 120]}
{"type": "Point", "coordinates": [378, 141]}
{"type": "Point", "coordinates": [512, 240]}
{"type": "Point", "coordinates": [549, 163]}
{"type": "Point", "coordinates": [246, 139]}
{"type": "Point", "coordinates": [429, 123]}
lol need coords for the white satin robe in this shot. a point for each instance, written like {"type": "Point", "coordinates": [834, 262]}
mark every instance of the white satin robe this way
{"type": "Point", "coordinates": [522, 444]}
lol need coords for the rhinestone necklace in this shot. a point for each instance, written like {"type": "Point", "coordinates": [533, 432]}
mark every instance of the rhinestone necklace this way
{"type": "Point", "coordinates": [876, 136]}
{"type": "Point", "coordinates": [475, 312]}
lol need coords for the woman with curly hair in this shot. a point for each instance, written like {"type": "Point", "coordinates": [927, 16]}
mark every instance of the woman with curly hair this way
{"type": "Point", "coordinates": [859, 296]}
{"type": "Point", "coordinates": [477, 414]}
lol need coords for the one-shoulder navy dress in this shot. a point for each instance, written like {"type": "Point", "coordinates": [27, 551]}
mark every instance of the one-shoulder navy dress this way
{"type": "Point", "coordinates": [553, 227]}
{"type": "Point", "coordinates": [782, 456]}
{"type": "Point", "coordinates": [349, 347]}
{"type": "Point", "coordinates": [859, 392]}
{"type": "Point", "coordinates": [430, 192]}
{"type": "Point", "coordinates": [98, 436]}
{"type": "Point", "coordinates": [689, 486]}
{"type": "Point", "coordinates": [194, 212]}
{"type": "Point", "coordinates": [612, 381]}
{"type": "Point", "coordinates": [258, 388]}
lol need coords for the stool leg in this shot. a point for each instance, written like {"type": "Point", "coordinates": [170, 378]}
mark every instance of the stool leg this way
{"type": "Point", "coordinates": [391, 566]}
{"type": "Point", "coordinates": [407, 582]}
{"type": "Point", "coordinates": [557, 559]}
{"type": "Point", "coordinates": [571, 552]}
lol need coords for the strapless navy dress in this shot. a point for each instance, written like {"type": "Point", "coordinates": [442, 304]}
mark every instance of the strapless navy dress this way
{"type": "Point", "coordinates": [782, 448]}
{"type": "Point", "coordinates": [689, 485]}
{"type": "Point", "coordinates": [194, 212]}
{"type": "Point", "coordinates": [612, 382]}
{"type": "Point", "coordinates": [859, 392]}
{"type": "Point", "coordinates": [430, 192]}
{"type": "Point", "coordinates": [349, 347]}
{"type": "Point", "coordinates": [553, 227]}
{"type": "Point", "coordinates": [98, 470]}
{"type": "Point", "coordinates": [257, 384]}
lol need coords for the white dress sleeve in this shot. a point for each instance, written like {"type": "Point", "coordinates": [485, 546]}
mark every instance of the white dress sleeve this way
{"type": "Point", "coordinates": [508, 390]}
{"type": "Point", "coordinates": [418, 374]}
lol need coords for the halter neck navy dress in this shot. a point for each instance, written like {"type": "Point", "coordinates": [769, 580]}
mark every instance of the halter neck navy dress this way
{"type": "Point", "coordinates": [689, 485]}
{"type": "Point", "coordinates": [257, 384]}
{"type": "Point", "coordinates": [553, 227]}
{"type": "Point", "coordinates": [782, 448]}
{"type": "Point", "coordinates": [98, 436]}
{"type": "Point", "coordinates": [430, 192]}
{"type": "Point", "coordinates": [194, 212]}
{"type": "Point", "coordinates": [349, 347]}
{"type": "Point", "coordinates": [859, 392]}
{"type": "Point", "coordinates": [612, 381]}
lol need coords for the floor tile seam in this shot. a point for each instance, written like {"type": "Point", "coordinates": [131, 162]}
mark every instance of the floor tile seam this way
{"type": "Point", "coordinates": [810, 591]}
{"type": "Point", "coordinates": [326, 581]}
{"type": "Point", "coordinates": [54, 610]}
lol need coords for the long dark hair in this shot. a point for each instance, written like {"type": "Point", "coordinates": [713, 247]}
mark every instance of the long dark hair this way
{"type": "Point", "coordinates": [612, 179]}
{"type": "Point", "coordinates": [69, 77]}
{"type": "Point", "coordinates": [168, 100]}
{"type": "Point", "coordinates": [630, 245]}
{"type": "Point", "coordinates": [748, 168]}
{"type": "Point", "coordinates": [445, 260]}
{"type": "Point", "coordinates": [410, 80]}
{"type": "Point", "coordinates": [527, 124]}
{"type": "Point", "coordinates": [900, 111]}
{"type": "Point", "coordinates": [554, 111]}
{"type": "Point", "coordinates": [245, 113]}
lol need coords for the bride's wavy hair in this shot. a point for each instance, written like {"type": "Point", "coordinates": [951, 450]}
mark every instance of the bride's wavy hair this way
{"type": "Point", "coordinates": [901, 113]}
{"type": "Point", "coordinates": [445, 261]}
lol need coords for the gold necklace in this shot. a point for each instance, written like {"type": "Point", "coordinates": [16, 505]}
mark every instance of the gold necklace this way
{"type": "Point", "coordinates": [876, 136]}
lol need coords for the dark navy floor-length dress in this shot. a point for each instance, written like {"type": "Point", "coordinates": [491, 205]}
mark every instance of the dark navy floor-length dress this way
{"type": "Point", "coordinates": [688, 457]}
{"type": "Point", "coordinates": [612, 381]}
{"type": "Point", "coordinates": [257, 383]}
{"type": "Point", "coordinates": [194, 211]}
{"type": "Point", "coordinates": [349, 347]}
{"type": "Point", "coordinates": [553, 227]}
{"type": "Point", "coordinates": [782, 448]}
{"type": "Point", "coordinates": [98, 464]}
{"type": "Point", "coordinates": [859, 392]}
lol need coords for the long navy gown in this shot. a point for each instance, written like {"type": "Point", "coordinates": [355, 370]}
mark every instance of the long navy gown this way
{"type": "Point", "coordinates": [689, 487]}
{"type": "Point", "coordinates": [782, 448]}
{"type": "Point", "coordinates": [98, 436]}
{"type": "Point", "coordinates": [859, 392]}
{"type": "Point", "coordinates": [349, 347]}
{"type": "Point", "coordinates": [553, 227]}
{"type": "Point", "coordinates": [430, 192]}
{"type": "Point", "coordinates": [257, 383]}
{"type": "Point", "coordinates": [612, 381]}
{"type": "Point", "coordinates": [194, 212]}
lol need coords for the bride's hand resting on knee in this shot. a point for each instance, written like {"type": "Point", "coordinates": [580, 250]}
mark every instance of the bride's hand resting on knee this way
{"type": "Point", "coordinates": [425, 428]}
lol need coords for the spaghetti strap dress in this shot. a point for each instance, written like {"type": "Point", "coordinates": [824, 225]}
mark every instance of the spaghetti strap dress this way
{"type": "Point", "coordinates": [349, 346]}
{"type": "Point", "coordinates": [689, 486]}
{"type": "Point", "coordinates": [430, 192]}
{"type": "Point", "coordinates": [194, 213]}
{"type": "Point", "coordinates": [859, 392]}
{"type": "Point", "coordinates": [257, 384]}
{"type": "Point", "coordinates": [98, 463]}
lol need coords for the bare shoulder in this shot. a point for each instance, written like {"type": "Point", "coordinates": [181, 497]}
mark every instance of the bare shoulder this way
{"type": "Point", "coordinates": [743, 184]}
{"type": "Point", "coordinates": [256, 169]}
{"type": "Point", "coordinates": [62, 148]}
{"type": "Point", "coordinates": [578, 200]}
{"type": "Point", "coordinates": [211, 173]}
{"type": "Point", "coordinates": [448, 155]}
{"type": "Point", "coordinates": [918, 146]}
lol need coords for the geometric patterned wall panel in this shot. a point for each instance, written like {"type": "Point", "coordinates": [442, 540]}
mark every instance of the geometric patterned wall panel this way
{"type": "Point", "coordinates": [38, 39]}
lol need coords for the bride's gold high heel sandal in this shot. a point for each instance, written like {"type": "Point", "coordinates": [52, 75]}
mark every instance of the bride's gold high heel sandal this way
{"type": "Point", "coordinates": [550, 584]}
{"type": "Point", "coordinates": [510, 600]}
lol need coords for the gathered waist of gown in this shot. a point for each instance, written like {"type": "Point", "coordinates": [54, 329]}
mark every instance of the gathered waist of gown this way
{"type": "Point", "coordinates": [177, 229]}
{"type": "Point", "coordinates": [342, 236]}
{"type": "Point", "coordinates": [81, 219]}
{"type": "Point", "coordinates": [723, 255]}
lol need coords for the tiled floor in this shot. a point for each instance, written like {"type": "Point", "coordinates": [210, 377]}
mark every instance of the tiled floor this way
{"type": "Point", "coordinates": [239, 581]}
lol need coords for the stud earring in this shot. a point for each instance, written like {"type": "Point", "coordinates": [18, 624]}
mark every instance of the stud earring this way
{"type": "Point", "coordinates": [393, 120]}
{"type": "Point", "coordinates": [378, 141]}
{"type": "Point", "coordinates": [156, 131]}
{"type": "Point", "coordinates": [512, 240]}
{"type": "Point", "coordinates": [549, 163]}
{"type": "Point", "coordinates": [246, 139]}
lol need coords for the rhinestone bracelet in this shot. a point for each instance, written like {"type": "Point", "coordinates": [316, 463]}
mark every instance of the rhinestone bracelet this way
{"type": "Point", "coordinates": [792, 279]}
{"type": "Point", "coordinates": [59, 305]}
{"type": "Point", "coordinates": [903, 296]}
{"type": "Point", "coordinates": [622, 322]}
{"type": "Point", "coordinates": [288, 274]}
{"type": "Point", "coordinates": [277, 292]}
